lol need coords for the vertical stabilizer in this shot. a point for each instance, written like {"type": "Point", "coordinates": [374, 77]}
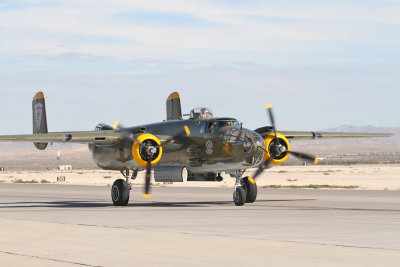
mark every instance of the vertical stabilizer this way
{"type": "Point", "coordinates": [174, 111]}
{"type": "Point", "coordinates": [39, 118]}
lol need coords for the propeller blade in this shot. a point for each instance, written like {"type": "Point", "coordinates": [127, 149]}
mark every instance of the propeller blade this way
{"type": "Point", "coordinates": [134, 139]}
{"type": "Point", "coordinates": [265, 165]}
{"type": "Point", "coordinates": [271, 117]}
{"type": "Point", "coordinates": [305, 156]}
{"type": "Point", "coordinates": [116, 125]}
{"type": "Point", "coordinates": [299, 155]}
{"type": "Point", "coordinates": [146, 193]}
{"type": "Point", "coordinates": [185, 130]}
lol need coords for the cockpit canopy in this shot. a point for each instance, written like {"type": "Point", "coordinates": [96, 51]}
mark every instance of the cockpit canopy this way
{"type": "Point", "coordinates": [201, 113]}
{"type": "Point", "coordinates": [215, 125]}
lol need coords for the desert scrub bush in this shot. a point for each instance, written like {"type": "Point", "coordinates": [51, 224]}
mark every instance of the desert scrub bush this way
{"type": "Point", "coordinates": [20, 181]}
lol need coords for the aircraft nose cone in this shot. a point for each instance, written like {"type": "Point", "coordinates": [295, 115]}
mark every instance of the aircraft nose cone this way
{"type": "Point", "coordinates": [252, 147]}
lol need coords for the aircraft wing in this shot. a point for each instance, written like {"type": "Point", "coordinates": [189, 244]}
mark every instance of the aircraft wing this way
{"type": "Point", "coordinates": [89, 137]}
{"type": "Point", "coordinates": [264, 131]}
{"type": "Point", "coordinates": [105, 138]}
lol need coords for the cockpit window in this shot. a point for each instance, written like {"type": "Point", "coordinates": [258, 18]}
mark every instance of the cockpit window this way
{"type": "Point", "coordinates": [201, 113]}
{"type": "Point", "coordinates": [214, 126]}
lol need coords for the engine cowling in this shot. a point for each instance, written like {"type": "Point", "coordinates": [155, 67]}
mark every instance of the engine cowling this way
{"type": "Point", "coordinates": [278, 153]}
{"type": "Point", "coordinates": [140, 154]}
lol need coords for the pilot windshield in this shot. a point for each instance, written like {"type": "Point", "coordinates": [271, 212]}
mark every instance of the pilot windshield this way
{"type": "Point", "coordinates": [201, 113]}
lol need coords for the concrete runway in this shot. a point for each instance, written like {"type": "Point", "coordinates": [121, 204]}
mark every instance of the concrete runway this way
{"type": "Point", "coordinates": [66, 225]}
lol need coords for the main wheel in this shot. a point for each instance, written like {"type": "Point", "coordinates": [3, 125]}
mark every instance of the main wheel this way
{"type": "Point", "coordinates": [120, 193]}
{"type": "Point", "coordinates": [239, 196]}
{"type": "Point", "coordinates": [251, 189]}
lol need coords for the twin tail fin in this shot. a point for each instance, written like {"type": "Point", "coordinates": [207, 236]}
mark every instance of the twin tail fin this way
{"type": "Point", "coordinates": [39, 118]}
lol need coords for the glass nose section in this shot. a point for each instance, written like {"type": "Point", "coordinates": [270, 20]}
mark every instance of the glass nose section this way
{"type": "Point", "coordinates": [240, 137]}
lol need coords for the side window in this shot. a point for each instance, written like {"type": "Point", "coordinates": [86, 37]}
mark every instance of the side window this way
{"type": "Point", "coordinates": [212, 127]}
{"type": "Point", "coordinates": [203, 127]}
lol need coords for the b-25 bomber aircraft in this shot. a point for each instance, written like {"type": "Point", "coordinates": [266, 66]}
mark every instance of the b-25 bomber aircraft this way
{"type": "Point", "coordinates": [203, 144]}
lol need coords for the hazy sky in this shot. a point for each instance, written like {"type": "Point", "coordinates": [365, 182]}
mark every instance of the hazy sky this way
{"type": "Point", "coordinates": [320, 63]}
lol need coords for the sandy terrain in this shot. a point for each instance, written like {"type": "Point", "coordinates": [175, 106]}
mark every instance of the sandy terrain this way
{"type": "Point", "coordinates": [381, 177]}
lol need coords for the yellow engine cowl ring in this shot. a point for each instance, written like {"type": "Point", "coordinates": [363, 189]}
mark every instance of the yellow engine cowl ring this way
{"type": "Point", "coordinates": [136, 149]}
{"type": "Point", "coordinates": [283, 141]}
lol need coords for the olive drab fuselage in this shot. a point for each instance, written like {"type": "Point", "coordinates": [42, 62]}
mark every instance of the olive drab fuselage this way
{"type": "Point", "coordinates": [207, 149]}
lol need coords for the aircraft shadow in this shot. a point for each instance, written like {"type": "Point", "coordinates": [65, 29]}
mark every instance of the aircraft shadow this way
{"type": "Point", "coordinates": [205, 203]}
{"type": "Point", "coordinates": [55, 204]}
{"type": "Point", "coordinates": [95, 204]}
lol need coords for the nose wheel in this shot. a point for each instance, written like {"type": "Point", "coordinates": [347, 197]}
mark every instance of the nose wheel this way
{"type": "Point", "coordinates": [239, 196]}
{"type": "Point", "coordinates": [245, 190]}
{"type": "Point", "coordinates": [251, 189]}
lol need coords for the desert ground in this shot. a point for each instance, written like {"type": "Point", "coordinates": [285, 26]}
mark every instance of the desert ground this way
{"type": "Point", "coordinates": [374, 177]}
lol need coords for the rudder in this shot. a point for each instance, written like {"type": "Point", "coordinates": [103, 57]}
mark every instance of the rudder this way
{"type": "Point", "coordinates": [174, 111]}
{"type": "Point", "coordinates": [39, 118]}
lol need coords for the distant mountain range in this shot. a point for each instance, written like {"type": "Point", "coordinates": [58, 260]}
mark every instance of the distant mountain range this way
{"type": "Point", "coordinates": [353, 145]}
{"type": "Point", "coordinates": [366, 129]}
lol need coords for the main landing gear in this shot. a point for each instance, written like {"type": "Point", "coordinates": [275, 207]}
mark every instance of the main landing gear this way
{"type": "Point", "coordinates": [245, 190]}
{"type": "Point", "coordinates": [121, 188]}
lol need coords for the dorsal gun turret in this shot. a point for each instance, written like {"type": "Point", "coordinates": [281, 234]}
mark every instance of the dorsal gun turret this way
{"type": "Point", "coordinates": [201, 113]}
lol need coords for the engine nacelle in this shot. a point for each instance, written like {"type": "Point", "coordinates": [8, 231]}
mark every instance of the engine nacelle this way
{"type": "Point", "coordinates": [140, 154]}
{"type": "Point", "coordinates": [278, 153]}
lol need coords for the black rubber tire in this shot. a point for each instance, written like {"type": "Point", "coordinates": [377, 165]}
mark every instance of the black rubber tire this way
{"type": "Point", "coordinates": [251, 189]}
{"type": "Point", "coordinates": [120, 193]}
{"type": "Point", "coordinates": [239, 196]}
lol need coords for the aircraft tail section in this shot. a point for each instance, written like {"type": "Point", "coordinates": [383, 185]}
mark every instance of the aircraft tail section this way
{"type": "Point", "coordinates": [39, 118]}
{"type": "Point", "coordinates": [174, 111]}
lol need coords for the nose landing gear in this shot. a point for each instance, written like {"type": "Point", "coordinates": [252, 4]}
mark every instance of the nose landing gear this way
{"type": "Point", "coordinates": [251, 189]}
{"type": "Point", "coordinates": [239, 196]}
{"type": "Point", "coordinates": [245, 190]}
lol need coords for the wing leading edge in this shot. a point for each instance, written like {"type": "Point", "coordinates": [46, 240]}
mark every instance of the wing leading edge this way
{"type": "Point", "coordinates": [99, 138]}
{"type": "Point", "coordinates": [304, 135]}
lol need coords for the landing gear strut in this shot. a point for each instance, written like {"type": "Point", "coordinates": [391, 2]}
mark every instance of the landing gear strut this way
{"type": "Point", "coordinates": [245, 190]}
{"type": "Point", "coordinates": [125, 173]}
